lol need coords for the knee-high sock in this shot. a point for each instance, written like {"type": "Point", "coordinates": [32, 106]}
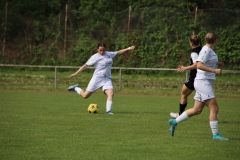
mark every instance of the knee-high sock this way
{"type": "Point", "coordinates": [214, 127]}
{"type": "Point", "coordinates": [78, 90]}
{"type": "Point", "coordinates": [182, 117]}
{"type": "Point", "coordinates": [182, 108]}
{"type": "Point", "coordinates": [109, 105]}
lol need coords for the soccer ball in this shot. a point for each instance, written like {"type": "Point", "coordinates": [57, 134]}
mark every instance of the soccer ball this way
{"type": "Point", "coordinates": [93, 108]}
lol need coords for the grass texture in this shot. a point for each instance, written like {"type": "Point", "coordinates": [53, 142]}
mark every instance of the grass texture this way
{"type": "Point", "coordinates": [56, 125]}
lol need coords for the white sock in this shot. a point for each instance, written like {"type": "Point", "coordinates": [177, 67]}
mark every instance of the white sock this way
{"type": "Point", "coordinates": [214, 127]}
{"type": "Point", "coordinates": [182, 117]}
{"type": "Point", "coordinates": [109, 105]}
{"type": "Point", "coordinates": [78, 90]}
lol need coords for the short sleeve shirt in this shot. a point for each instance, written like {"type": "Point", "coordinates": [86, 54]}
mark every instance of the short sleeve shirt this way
{"type": "Point", "coordinates": [102, 63]}
{"type": "Point", "coordinates": [209, 58]}
{"type": "Point", "coordinates": [194, 57]}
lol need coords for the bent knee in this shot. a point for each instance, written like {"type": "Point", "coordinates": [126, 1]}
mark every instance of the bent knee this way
{"type": "Point", "coordinates": [111, 94]}
{"type": "Point", "coordinates": [85, 96]}
{"type": "Point", "coordinates": [198, 112]}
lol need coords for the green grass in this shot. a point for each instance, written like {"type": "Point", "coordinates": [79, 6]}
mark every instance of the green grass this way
{"type": "Point", "coordinates": [56, 125]}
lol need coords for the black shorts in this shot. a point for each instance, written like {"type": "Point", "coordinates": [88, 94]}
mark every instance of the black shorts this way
{"type": "Point", "coordinates": [190, 84]}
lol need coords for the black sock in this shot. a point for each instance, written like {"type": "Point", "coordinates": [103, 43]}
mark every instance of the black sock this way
{"type": "Point", "coordinates": [182, 108]}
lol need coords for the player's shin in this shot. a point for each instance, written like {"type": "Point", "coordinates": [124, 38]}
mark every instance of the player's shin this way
{"type": "Point", "coordinates": [214, 127]}
{"type": "Point", "coordinates": [109, 105]}
{"type": "Point", "coordinates": [78, 90]}
{"type": "Point", "coordinates": [182, 117]}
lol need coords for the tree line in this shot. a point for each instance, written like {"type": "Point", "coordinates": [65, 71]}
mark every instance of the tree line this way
{"type": "Point", "coordinates": [61, 32]}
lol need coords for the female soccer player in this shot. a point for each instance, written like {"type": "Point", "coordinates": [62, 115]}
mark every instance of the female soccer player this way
{"type": "Point", "coordinates": [102, 62]}
{"type": "Point", "coordinates": [188, 87]}
{"type": "Point", "coordinates": [207, 64]}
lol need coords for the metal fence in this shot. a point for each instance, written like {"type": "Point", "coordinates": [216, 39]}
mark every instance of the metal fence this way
{"type": "Point", "coordinates": [120, 69]}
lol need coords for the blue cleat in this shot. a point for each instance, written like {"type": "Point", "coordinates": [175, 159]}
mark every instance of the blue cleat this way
{"type": "Point", "coordinates": [109, 112]}
{"type": "Point", "coordinates": [173, 124]}
{"type": "Point", "coordinates": [219, 137]}
{"type": "Point", "coordinates": [72, 88]}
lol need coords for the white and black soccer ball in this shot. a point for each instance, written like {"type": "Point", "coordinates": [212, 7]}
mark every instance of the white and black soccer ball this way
{"type": "Point", "coordinates": [93, 108]}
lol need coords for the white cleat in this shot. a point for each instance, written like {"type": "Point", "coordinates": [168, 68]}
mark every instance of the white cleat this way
{"type": "Point", "coordinates": [109, 112]}
{"type": "Point", "coordinates": [174, 115]}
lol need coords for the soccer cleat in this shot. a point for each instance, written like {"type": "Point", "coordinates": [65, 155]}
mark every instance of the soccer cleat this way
{"type": "Point", "coordinates": [219, 137]}
{"type": "Point", "coordinates": [109, 112]}
{"type": "Point", "coordinates": [72, 88]}
{"type": "Point", "coordinates": [173, 124]}
{"type": "Point", "coordinates": [174, 115]}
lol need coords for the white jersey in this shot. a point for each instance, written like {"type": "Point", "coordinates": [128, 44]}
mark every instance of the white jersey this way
{"type": "Point", "coordinates": [209, 58]}
{"type": "Point", "coordinates": [102, 63]}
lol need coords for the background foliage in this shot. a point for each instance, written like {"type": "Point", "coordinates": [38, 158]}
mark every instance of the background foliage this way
{"type": "Point", "coordinates": [34, 32]}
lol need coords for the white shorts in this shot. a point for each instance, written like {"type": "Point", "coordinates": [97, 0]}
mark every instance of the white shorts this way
{"type": "Point", "coordinates": [99, 81]}
{"type": "Point", "coordinates": [204, 90]}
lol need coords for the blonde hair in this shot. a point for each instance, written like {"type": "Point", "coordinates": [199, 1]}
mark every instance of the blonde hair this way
{"type": "Point", "coordinates": [210, 37]}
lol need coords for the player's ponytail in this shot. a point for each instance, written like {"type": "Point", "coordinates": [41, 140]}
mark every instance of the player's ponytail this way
{"type": "Point", "coordinates": [210, 37]}
{"type": "Point", "coordinates": [196, 40]}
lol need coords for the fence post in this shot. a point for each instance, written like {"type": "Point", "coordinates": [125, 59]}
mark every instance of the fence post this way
{"type": "Point", "coordinates": [55, 78]}
{"type": "Point", "coordinates": [120, 79]}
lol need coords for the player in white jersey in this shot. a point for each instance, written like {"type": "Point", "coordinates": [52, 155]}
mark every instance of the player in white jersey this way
{"type": "Point", "coordinates": [207, 64]}
{"type": "Point", "coordinates": [102, 61]}
{"type": "Point", "coordinates": [188, 87]}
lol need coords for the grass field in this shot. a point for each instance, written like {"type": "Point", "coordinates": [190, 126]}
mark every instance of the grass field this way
{"type": "Point", "coordinates": [56, 125]}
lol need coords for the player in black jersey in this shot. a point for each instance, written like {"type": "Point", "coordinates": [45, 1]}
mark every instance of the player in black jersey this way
{"type": "Point", "coordinates": [188, 87]}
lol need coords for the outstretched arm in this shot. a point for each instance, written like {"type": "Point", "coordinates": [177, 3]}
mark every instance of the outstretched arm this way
{"type": "Point", "coordinates": [79, 70]}
{"type": "Point", "coordinates": [126, 49]}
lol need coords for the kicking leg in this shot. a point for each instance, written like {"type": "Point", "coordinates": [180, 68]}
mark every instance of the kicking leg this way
{"type": "Point", "coordinates": [84, 94]}
{"type": "Point", "coordinates": [197, 109]}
